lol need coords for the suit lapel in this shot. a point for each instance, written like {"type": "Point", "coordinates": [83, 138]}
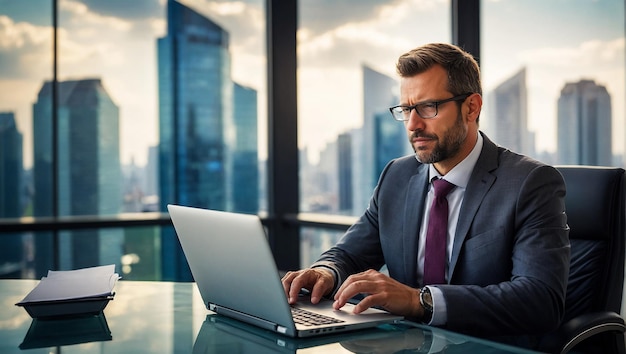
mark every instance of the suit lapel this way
{"type": "Point", "coordinates": [479, 184]}
{"type": "Point", "coordinates": [415, 199]}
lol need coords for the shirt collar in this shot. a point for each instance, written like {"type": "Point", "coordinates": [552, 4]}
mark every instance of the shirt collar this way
{"type": "Point", "coordinates": [460, 174]}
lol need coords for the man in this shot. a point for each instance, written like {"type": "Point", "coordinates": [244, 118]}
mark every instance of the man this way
{"type": "Point", "coordinates": [506, 260]}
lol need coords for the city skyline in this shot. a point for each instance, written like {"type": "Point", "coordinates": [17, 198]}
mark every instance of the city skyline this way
{"type": "Point", "coordinates": [115, 43]}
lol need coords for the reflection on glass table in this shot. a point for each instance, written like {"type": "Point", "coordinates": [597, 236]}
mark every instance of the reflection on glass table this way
{"type": "Point", "coordinates": [165, 317]}
{"type": "Point", "coordinates": [220, 334]}
{"type": "Point", "coordinates": [57, 332]}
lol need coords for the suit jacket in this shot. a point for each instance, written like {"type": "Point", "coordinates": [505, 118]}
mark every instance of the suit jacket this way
{"type": "Point", "coordinates": [510, 259]}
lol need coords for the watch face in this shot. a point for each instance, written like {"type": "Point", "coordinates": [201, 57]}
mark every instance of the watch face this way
{"type": "Point", "coordinates": [426, 299]}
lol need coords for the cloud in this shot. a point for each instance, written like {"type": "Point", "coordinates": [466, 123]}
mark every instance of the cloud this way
{"type": "Point", "coordinates": [78, 13]}
{"type": "Point", "coordinates": [320, 16]}
{"type": "Point", "coordinates": [243, 20]}
{"type": "Point", "coordinates": [125, 9]}
{"type": "Point", "coordinates": [589, 53]}
{"type": "Point", "coordinates": [378, 35]}
{"type": "Point", "coordinates": [24, 49]}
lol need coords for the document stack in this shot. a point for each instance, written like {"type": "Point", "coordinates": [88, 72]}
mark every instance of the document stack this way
{"type": "Point", "coordinates": [79, 292]}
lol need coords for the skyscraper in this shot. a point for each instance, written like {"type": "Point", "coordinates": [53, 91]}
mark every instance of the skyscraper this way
{"type": "Point", "coordinates": [510, 106]}
{"type": "Point", "coordinates": [344, 172]}
{"type": "Point", "coordinates": [11, 167]}
{"type": "Point", "coordinates": [379, 93]}
{"type": "Point", "coordinates": [89, 179]}
{"type": "Point", "coordinates": [244, 179]}
{"type": "Point", "coordinates": [390, 141]}
{"type": "Point", "coordinates": [195, 109]}
{"type": "Point", "coordinates": [584, 124]}
{"type": "Point", "coordinates": [208, 127]}
{"type": "Point", "coordinates": [11, 193]}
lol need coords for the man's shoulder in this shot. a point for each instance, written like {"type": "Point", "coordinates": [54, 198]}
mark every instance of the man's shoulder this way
{"type": "Point", "coordinates": [403, 167]}
{"type": "Point", "coordinates": [519, 166]}
{"type": "Point", "coordinates": [508, 157]}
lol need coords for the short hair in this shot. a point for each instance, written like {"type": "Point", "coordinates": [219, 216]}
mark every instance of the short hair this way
{"type": "Point", "coordinates": [463, 70]}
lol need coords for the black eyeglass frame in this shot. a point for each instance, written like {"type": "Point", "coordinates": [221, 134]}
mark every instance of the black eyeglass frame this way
{"type": "Point", "coordinates": [461, 97]}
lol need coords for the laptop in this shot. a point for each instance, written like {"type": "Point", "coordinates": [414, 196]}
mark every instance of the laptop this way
{"type": "Point", "coordinates": [233, 267]}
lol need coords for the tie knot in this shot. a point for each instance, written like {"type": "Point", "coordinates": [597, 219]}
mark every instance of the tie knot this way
{"type": "Point", "coordinates": [442, 187]}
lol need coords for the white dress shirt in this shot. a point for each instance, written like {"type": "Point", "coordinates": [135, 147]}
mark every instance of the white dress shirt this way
{"type": "Point", "coordinates": [459, 176]}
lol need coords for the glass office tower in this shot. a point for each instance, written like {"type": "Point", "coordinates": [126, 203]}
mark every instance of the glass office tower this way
{"type": "Point", "coordinates": [584, 124]}
{"type": "Point", "coordinates": [195, 109]}
{"type": "Point", "coordinates": [244, 189]}
{"type": "Point", "coordinates": [509, 105]}
{"type": "Point", "coordinates": [208, 127]}
{"type": "Point", "coordinates": [380, 139]}
{"type": "Point", "coordinates": [11, 193]}
{"type": "Point", "coordinates": [11, 168]}
{"type": "Point", "coordinates": [344, 171]}
{"type": "Point", "coordinates": [89, 173]}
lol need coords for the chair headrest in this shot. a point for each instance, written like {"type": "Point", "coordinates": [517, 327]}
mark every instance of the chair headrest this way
{"type": "Point", "coordinates": [594, 200]}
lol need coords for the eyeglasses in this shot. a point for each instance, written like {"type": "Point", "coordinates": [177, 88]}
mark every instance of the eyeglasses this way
{"type": "Point", "coordinates": [425, 110]}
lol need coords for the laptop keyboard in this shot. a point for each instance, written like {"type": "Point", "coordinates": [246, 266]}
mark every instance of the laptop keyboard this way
{"type": "Point", "coordinates": [308, 318]}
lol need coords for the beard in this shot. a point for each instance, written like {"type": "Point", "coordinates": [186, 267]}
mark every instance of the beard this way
{"type": "Point", "coordinates": [446, 147]}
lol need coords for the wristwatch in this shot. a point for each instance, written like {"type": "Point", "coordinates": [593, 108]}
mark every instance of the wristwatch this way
{"type": "Point", "coordinates": [426, 300]}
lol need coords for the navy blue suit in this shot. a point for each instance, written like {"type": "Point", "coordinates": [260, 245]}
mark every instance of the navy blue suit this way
{"type": "Point", "coordinates": [510, 260]}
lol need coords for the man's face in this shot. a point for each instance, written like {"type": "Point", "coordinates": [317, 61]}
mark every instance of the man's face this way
{"type": "Point", "coordinates": [438, 139]}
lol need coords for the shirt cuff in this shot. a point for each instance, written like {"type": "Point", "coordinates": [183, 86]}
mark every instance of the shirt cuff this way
{"type": "Point", "coordinates": [440, 311]}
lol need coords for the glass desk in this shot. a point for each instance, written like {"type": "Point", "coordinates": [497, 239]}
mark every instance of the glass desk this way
{"type": "Point", "coordinates": [165, 317]}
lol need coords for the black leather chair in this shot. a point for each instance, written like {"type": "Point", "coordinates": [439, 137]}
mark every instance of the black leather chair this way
{"type": "Point", "coordinates": [596, 216]}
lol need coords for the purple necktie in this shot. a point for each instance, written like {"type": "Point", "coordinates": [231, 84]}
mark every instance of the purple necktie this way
{"type": "Point", "coordinates": [436, 235]}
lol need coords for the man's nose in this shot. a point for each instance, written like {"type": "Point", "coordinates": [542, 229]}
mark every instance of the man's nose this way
{"type": "Point", "coordinates": [415, 122]}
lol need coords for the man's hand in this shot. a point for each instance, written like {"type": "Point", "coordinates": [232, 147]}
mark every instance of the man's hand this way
{"type": "Point", "coordinates": [318, 281]}
{"type": "Point", "coordinates": [380, 290]}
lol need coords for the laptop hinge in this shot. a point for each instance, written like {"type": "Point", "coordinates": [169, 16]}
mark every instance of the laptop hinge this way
{"type": "Point", "coordinates": [247, 318]}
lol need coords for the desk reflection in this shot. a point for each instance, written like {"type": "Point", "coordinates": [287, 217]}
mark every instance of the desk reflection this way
{"type": "Point", "coordinates": [44, 333]}
{"type": "Point", "coordinates": [220, 334]}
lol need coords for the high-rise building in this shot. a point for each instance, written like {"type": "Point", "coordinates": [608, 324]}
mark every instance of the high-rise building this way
{"type": "Point", "coordinates": [89, 178]}
{"type": "Point", "coordinates": [151, 198]}
{"type": "Point", "coordinates": [11, 193]}
{"type": "Point", "coordinates": [344, 171]}
{"type": "Point", "coordinates": [390, 141]}
{"type": "Point", "coordinates": [208, 154]}
{"type": "Point", "coordinates": [195, 109]}
{"type": "Point", "coordinates": [379, 93]}
{"type": "Point", "coordinates": [244, 178]}
{"type": "Point", "coordinates": [11, 167]}
{"type": "Point", "coordinates": [584, 124]}
{"type": "Point", "coordinates": [509, 107]}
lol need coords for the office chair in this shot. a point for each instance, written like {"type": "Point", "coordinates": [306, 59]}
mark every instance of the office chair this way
{"type": "Point", "coordinates": [596, 216]}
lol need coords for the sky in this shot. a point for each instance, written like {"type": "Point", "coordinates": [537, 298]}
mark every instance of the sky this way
{"type": "Point", "coordinates": [557, 41]}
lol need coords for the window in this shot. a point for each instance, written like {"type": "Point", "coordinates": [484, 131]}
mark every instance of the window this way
{"type": "Point", "coordinates": [137, 106]}
{"type": "Point", "coordinates": [347, 52]}
{"type": "Point", "coordinates": [554, 86]}
{"type": "Point", "coordinates": [26, 56]}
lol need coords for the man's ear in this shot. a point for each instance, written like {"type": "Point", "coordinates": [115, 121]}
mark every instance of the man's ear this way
{"type": "Point", "coordinates": [474, 104]}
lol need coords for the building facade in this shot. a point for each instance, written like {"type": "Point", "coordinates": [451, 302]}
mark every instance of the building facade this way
{"type": "Point", "coordinates": [509, 105]}
{"type": "Point", "coordinates": [88, 174]}
{"type": "Point", "coordinates": [584, 124]}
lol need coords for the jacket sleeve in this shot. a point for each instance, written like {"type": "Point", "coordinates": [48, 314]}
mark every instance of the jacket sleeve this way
{"type": "Point", "coordinates": [359, 249]}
